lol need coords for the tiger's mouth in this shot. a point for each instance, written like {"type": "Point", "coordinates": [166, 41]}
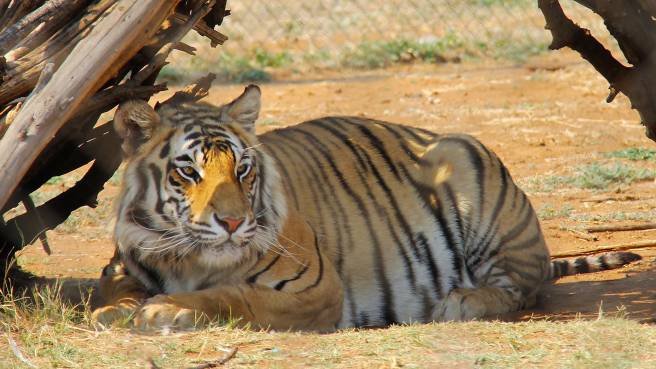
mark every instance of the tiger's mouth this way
{"type": "Point", "coordinates": [207, 240]}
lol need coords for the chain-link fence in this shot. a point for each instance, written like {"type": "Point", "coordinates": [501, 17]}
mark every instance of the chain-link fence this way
{"type": "Point", "coordinates": [334, 25]}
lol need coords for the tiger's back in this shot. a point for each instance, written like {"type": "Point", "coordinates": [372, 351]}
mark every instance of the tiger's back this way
{"type": "Point", "coordinates": [407, 215]}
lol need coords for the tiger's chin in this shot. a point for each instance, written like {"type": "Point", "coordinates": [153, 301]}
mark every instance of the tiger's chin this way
{"type": "Point", "coordinates": [225, 254]}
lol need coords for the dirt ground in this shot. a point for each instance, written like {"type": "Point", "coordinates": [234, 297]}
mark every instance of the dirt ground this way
{"type": "Point", "coordinates": [543, 118]}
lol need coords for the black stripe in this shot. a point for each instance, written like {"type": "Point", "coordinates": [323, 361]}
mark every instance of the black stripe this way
{"type": "Point", "coordinates": [581, 265]}
{"type": "Point", "coordinates": [357, 151]}
{"type": "Point", "coordinates": [183, 157]}
{"type": "Point", "coordinates": [155, 282]}
{"type": "Point", "coordinates": [491, 230]}
{"type": "Point", "coordinates": [193, 144]}
{"type": "Point", "coordinates": [379, 146]}
{"type": "Point", "coordinates": [401, 140]}
{"type": "Point", "coordinates": [364, 319]}
{"type": "Point", "coordinates": [193, 136]}
{"type": "Point", "coordinates": [285, 176]}
{"type": "Point", "coordinates": [387, 299]}
{"type": "Point", "coordinates": [320, 275]}
{"type": "Point", "coordinates": [253, 278]}
{"type": "Point", "coordinates": [432, 265]}
{"type": "Point", "coordinates": [425, 193]}
{"type": "Point", "coordinates": [524, 244]}
{"type": "Point", "coordinates": [603, 265]}
{"type": "Point", "coordinates": [280, 285]}
{"type": "Point", "coordinates": [451, 244]}
{"type": "Point", "coordinates": [519, 227]}
{"type": "Point", "coordinates": [412, 132]}
{"type": "Point", "coordinates": [348, 296]}
{"type": "Point", "coordinates": [333, 204]}
{"type": "Point", "coordinates": [560, 268]}
{"type": "Point", "coordinates": [164, 152]}
{"type": "Point", "coordinates": [343, 138]}
{"type": "Point", "coordinates": [479, 169]}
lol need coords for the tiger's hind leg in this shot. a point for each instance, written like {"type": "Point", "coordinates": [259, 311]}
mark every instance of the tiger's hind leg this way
{"type": "Point", "coordinates": [463, 304]}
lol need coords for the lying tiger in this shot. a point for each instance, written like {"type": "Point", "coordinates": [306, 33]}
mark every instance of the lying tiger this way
{"type": "Point", "coordinates": [335, 222]}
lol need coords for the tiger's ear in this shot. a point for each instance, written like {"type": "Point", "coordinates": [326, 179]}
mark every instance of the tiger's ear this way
{"type": "Point", "coordinates": [246, 108]}
{"type": "Point", "coordinates": [135, 121]}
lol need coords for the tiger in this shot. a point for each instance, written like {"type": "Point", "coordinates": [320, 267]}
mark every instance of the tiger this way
{"type": "Point", "coordinates": [333, 223]}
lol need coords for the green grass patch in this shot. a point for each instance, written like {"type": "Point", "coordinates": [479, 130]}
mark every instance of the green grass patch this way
{"type": "Point", "coordinates": [548, 211]}
{"type": "Point", "coordinates": [379, 54]}
{"type": "Point", "coordinates": [633, 153]}
{"type": "Point", "coordinates": [617, 216]}
{"type": "Point", "coordinates": [260, 65]}
{"type": "Point", "coordinates": [593, 176]}
{"type": "Point", "coordinates": [600, 177]}
{"type": "Point", "coordinates": [251, 66]}
{"type": "Point", "coordinates": [511, 49]}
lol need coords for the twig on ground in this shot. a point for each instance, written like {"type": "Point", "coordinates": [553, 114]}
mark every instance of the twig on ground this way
{"type": "Point", "coordinates": [620, 227]}
{"type": "Point", "coordinates": [17, 352]}
{"type": "Point", "coordinates": [216, 363]}
{"type": "Point", "coordinates": [612, 198]}
{"type": "Point", "coordinates": [617, 247]}
{"type": "Point", "coordinates": [583, 235]}
{"type": "Point", "coordinates": [152, 365]}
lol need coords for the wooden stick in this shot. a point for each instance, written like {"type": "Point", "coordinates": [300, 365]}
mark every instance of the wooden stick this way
{"type": "Point", "coordinates": [113, 40]}
{"type": "Point", "coordinates": [159, 60]}
{"type": "Point", "coordinates": [216, 363]}
{"type": "Point", "coordinates": [30, 207]}
{"type": "Point", "coordinates": [582, 235]}
{"type": "Point", "coordinates": [620, 228]}
{"type": "Point", "coordinates": [617, 247]}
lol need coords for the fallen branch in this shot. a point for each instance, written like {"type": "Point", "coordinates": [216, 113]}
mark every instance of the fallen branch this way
{"type": "Point", "coordinates": [582, 235]}
{"type": "Point", "coordinates": [216, 363]}
{"type": "Point", "coordinates": [190, 93]}
{"type": "Point", "coordinates": [620, 228]}
{"type": "Point", "coordinates": [26, 228]}
{"type": "Point", "coordinates": [12, 35]}
{"type": "Point", "coordinates": [17, 352]}
{"type": "Point", "coordinates": [618, 247]}
{"type": "Point", "coordinates": [634, 30]}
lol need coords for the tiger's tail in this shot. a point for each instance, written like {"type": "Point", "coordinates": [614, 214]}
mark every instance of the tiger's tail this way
{"type": "Point", "coordinates": [590, 264]}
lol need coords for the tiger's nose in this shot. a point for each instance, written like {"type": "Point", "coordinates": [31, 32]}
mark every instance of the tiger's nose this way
{"type": "Point", "coordinates": [230, 224]}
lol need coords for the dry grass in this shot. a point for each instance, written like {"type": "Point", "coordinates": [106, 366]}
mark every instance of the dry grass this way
{"type": "Point", "coordinates": [48, 333]}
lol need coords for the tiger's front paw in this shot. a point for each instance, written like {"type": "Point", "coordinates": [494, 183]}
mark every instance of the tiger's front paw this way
{"type": "Point", "coordinates": [161, 312]}
{"type": "Point", "coordinates": [106, 316]}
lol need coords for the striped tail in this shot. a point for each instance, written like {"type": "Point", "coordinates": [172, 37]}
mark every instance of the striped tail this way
{"type": "Point", "coordinates": [589, 264]}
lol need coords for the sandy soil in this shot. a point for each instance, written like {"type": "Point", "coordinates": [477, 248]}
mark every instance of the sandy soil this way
{"type": "Point", "coordinates": [542, 118]}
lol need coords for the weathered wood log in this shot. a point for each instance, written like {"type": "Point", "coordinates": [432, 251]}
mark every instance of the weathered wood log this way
{"type": "Point", "coordinates": [53, 9]}
{"type": "Point", "coordinates": [27, 227]}
{"type": "Point", "coordinates": [121, 33]}
{"type": "Point", "coordinates": [56, 124]}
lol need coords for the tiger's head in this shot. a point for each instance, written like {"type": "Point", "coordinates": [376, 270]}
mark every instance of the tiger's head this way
{"type": "Point", "coordinates": [197, 184]}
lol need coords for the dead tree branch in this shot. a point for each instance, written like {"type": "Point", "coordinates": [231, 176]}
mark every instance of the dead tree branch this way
{"type": "Point", "coordinates": [63, 64]}
{"type": "Point", "coordinates": [122, 33]}
{"type": "Point", "coordinates": [632, 24]}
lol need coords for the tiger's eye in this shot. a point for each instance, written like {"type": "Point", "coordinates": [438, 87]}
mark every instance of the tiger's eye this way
{"type": "Point", "coordinates": [188, 173]}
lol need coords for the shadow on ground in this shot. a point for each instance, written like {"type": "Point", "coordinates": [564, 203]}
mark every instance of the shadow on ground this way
{"type": "Point", "coordinates": [633, 297]}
